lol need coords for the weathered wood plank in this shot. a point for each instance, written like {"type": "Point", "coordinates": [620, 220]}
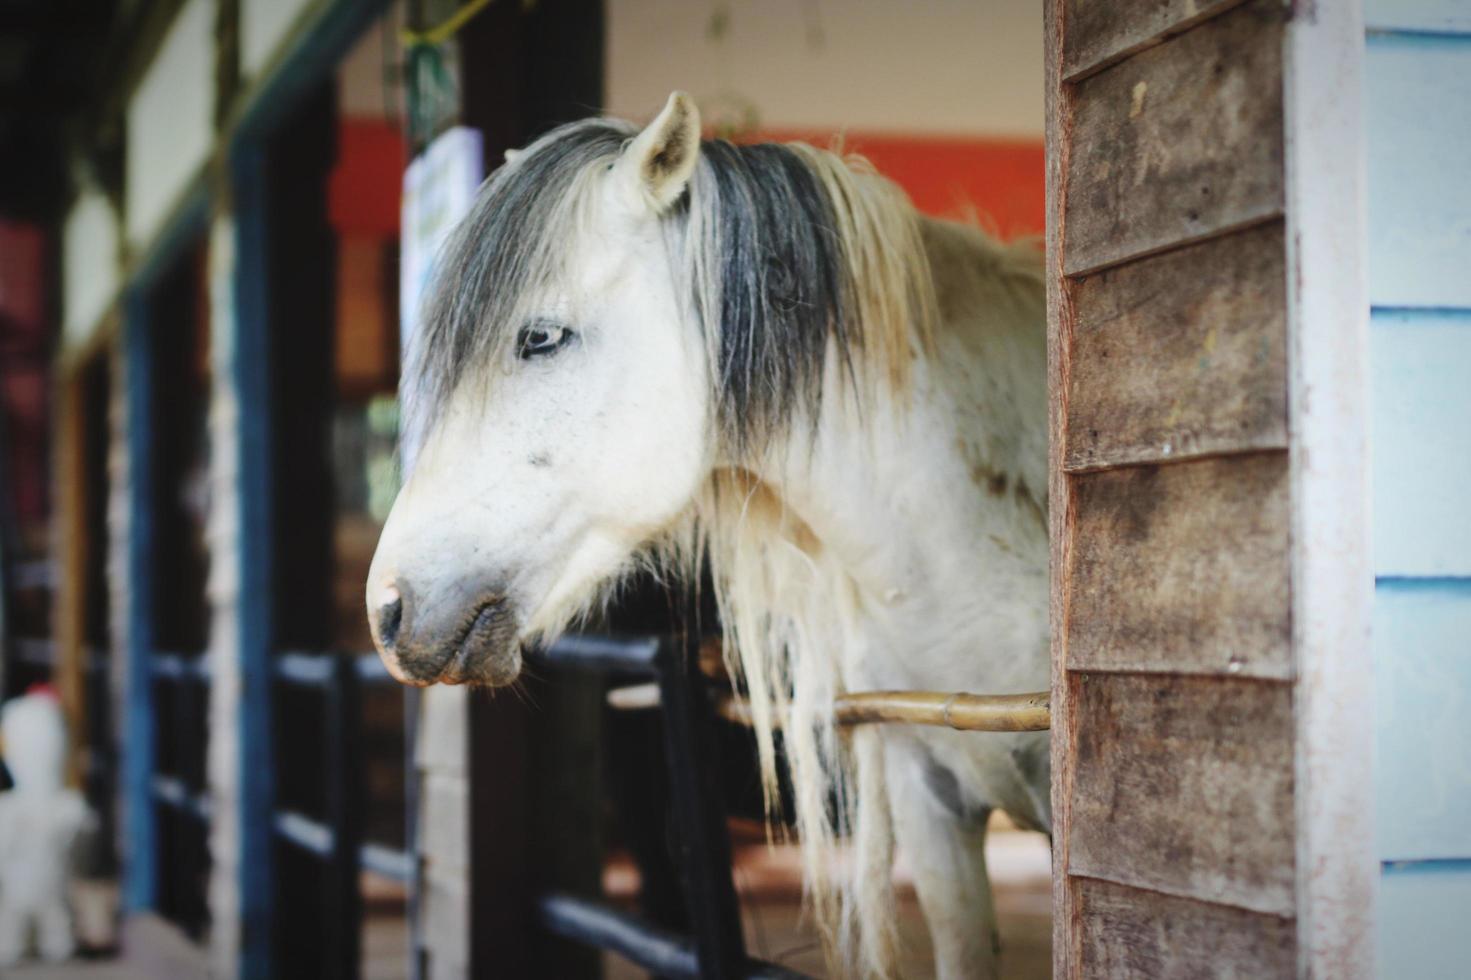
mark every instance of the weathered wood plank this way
{"type": "Point", "coordinates": [1422, 673]}
{"type": "Point", "coordinates": [1418, 103]}
{"type": "Point", "coordinates": [1421, 430]}
{"type": "Point", "coordinates": [1184, 785]}
{"type": "Point", "coordinates": [444, 902]}
{"type": "Point", "coordinates": [1332, 591]}
{"type": "Point", "coordinates": [442, 741]}
{"type": "Point", "coordinates": [1059, 493]}
{"type": "Point", "coordinates": [1125, 932]}
{"type": "Point", "coordinates": [1178, 142]}
{"type": "Point", "coordinates": [444, 822]}
{"type": "Point", "coordinates": [1182, 569]}
{"type": "Point", "coordinates": [1101, 33]}
{"type": "Point", "coordinates": [1181, 354]}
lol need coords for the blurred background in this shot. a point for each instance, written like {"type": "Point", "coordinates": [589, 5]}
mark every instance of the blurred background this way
{"type": "Point", "coordinates": [216, 217]}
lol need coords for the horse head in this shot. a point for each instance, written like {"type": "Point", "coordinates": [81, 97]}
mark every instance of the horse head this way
{"type": "Point", "coordinates": [557, 397]}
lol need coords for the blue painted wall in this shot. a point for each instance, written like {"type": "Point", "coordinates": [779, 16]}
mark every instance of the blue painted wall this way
{"type": "Point", "coordinates": [1418, 103]}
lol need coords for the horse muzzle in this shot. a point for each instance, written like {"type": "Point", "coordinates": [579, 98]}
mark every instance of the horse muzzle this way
{"type": "Point", "coordinates": [465, 638]}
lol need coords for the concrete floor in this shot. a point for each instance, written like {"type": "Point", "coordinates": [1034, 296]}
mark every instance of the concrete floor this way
{"type": "Point", "coordinates": [152, 948]}
{"type": "Point", "coordinates": [769, 883]}
{"type": "Point", "coordinates": [78, 970]}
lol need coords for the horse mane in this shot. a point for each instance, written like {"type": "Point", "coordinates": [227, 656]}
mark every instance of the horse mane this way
{"type": "Point", "coordinates": [788, 254]}
{"type": "Point", "coordinates": [801, 268]}
{"type": "Point", "coordinates": [794, 255]}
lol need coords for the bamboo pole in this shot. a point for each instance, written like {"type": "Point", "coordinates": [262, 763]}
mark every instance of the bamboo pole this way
{"type": "Point", "coordinates": [960, 711]}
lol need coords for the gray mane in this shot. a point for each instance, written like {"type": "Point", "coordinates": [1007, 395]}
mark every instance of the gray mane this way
{"type": "Point", "coordinates": [765, 237]}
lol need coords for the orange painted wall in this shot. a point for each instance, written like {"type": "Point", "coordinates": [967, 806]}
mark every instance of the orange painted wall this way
{"type": "Point", "coordinates": [1001, 182]}
{"type": "Point", "coordinates": [364, 189]}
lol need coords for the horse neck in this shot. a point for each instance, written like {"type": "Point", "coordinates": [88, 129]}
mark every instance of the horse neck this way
{"type": "Point", "coordinates": [918, 491]}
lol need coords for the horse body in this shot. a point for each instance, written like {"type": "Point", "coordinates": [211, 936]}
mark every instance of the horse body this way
{"type": "Point", "coordinates": [649, 349]}
{"type": "Point", "coordinates": [919, 561]}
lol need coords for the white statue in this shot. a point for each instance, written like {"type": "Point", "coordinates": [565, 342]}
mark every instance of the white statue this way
{"type": "Point", "coordinates": [40, 821]}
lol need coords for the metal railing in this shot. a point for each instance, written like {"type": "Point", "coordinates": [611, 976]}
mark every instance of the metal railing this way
{"type": "Point", "coordinates": [338, 840]}
{"type": "Point", "coordinates": [180, 805]}
{"type": "Point", "coordinates": [691, 707]}
{"type": "Point", "coordinates": [717, 948]}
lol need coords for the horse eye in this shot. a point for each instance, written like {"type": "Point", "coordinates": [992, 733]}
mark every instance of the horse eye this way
{"type": "Point", "coordinates": [540, 338]}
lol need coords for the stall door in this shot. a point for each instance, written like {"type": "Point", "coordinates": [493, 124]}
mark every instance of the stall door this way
{"type": "Point", "coordinates": [1201, 698]}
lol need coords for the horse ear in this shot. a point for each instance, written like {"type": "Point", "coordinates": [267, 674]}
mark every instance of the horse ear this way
{"type": "Point", "coordinates": [660, 159]}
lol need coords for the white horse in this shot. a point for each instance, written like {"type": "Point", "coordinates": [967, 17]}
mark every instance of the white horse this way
{"type": "Point", "coordinates": [643, 347]}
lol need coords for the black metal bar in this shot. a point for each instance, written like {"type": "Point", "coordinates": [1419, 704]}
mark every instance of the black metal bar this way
{"type": "Point", "coordinates": [344, 765]}
{"type": "Point", "coordinates": [370, 669]}
{"type": "Point", "coordinates": [636, 655]}
{"type": "Point", "coordinates": [414, 879]}
{"type": "Point", "coordinates": [703, 837]}
{"type": "Point", "coordinates": [173, 792]}
{"type": "Point", "coordinates": [305, 669]}
{"type": "Point", "coordinates": [308, 668]}
{"type": "Point", "coordinates": [188, 870]}
{"type": "Point", "coordinates": [318, 839]}
{"type": "Point", "coordinates": [34, 573]}
{"type": "Point", "coordinates": [310, 835]}
{"type": "Point", "coordinates": [660, 951]}
{"type": "Point", "coordinates": [34, 652]}
{"type": "Point", "coordinates": [386, 861]}
{"type": "Point", "coordinates": [179, 666]}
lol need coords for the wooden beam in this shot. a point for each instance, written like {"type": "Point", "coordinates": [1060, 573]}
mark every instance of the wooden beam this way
{"type": "Point", "coordinates": [1332, 579]}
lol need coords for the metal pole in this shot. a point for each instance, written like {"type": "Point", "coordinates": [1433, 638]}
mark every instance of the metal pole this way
{"type": "Point", "coordinates": [344, 814]}
{"type": "Point", "coordinates": [703, 837]}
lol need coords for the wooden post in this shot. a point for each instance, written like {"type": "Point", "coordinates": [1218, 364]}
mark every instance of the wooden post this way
{"type": "Point", "coordinates": [70, 547]}
{"type": "Point", "coordinates": [1207, 487]}
{"type": "Point", "coordinates": [1332, 577]}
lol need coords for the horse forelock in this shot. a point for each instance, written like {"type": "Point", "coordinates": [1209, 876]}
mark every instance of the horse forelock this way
{"type": "Point", "coordinates": [789, 255]}
{"type": "Point", "coordinates": [794, 255]}
{"type": "Point", "coordinates": [507, 249]}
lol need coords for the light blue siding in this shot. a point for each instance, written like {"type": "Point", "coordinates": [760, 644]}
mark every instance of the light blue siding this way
{"type": "Point", "coordinates": [1418, 119]}
{"type": "Point", "coordinates": [1418, 15]}
{"type": "Point", "coordinates": [1420, 372]}
{"type": "Point", "coordinates": [1422, 676]}
{"type": "Point", "coordinates": [1419, 123]}
{"type": "Point", "coordinates": [1425, 921]}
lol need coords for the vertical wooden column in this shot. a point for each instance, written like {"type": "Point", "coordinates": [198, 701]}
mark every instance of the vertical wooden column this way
{"type": "Point", "coordinates": [70, 548]}
{"type": "Point", "coordinates": [1188, 688]}
{"type": "Point", "coordinates": [1332, 575]}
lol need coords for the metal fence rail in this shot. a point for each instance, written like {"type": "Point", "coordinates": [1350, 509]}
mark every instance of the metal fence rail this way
{"type": "Point", "coordinates": [673, 684]}
{"type": "Point", "coordinates": [717, 948]}
{"type": "Point", "coordinates": [660, 951]}
{"type": "Point", "coordinates": [338, 840]}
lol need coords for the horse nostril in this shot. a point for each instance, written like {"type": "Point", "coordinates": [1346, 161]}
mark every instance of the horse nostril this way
{"type": "Point", "coordinates": [390, 617]}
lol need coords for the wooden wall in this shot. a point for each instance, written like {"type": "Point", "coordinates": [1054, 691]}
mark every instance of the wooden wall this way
{"type": "Point", "coordinates": [1174, 493]}
{"type": "Point", "coordinates": [1418, 68]}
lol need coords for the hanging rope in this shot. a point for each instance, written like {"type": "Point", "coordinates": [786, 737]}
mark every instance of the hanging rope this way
{"type": "Point", "coordinates": [442, 32]}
